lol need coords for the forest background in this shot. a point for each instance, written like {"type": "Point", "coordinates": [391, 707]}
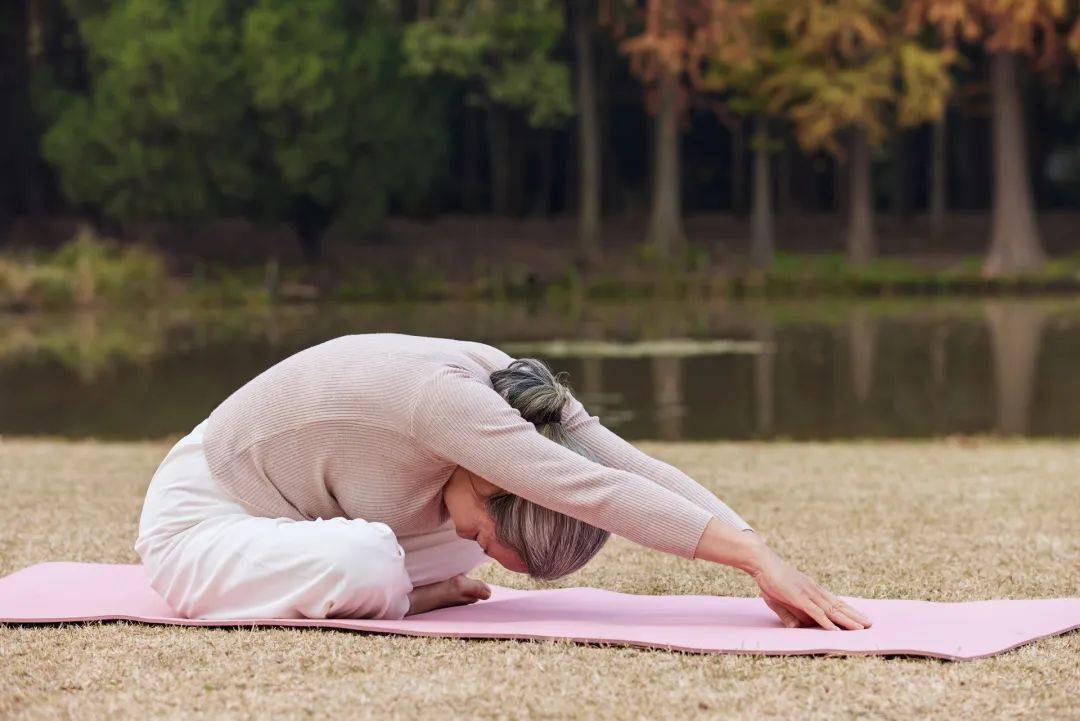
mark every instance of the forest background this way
{"type": "Point", "coordinates": [435, 147]}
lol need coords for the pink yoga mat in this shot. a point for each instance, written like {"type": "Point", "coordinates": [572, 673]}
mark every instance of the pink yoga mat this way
{"type": "Point", "coordinates": [59, 592]}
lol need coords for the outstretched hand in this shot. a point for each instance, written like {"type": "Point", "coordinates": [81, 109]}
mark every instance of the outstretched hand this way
{"type": "Point", "coordinates": [795, 597]}
{"type": "Point", "coordinates": [798, 599]}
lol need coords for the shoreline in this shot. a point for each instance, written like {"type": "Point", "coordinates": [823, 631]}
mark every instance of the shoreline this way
{"type": "Point", "coordinates": [89, 271]}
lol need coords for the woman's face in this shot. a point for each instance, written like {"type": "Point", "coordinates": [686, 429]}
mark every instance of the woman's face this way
{"type": "Point", "coordinates": [465, 496]}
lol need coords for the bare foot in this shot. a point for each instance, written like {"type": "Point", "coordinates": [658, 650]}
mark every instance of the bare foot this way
{"type": "Point", "coordinates": [457, 591]}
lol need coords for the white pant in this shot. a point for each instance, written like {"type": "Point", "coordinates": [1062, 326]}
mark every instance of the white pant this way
{"type": "Point", "coordinates": [210, 558]}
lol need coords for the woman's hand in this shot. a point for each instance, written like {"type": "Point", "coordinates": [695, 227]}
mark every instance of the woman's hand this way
{"type": "Point", "coordinates": [793, 596]}
{"type": "Point", "coordinates": [798, 600]}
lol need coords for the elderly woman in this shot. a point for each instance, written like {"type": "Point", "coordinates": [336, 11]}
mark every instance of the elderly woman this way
{"type": "Point", "coordinates": [365, 476]}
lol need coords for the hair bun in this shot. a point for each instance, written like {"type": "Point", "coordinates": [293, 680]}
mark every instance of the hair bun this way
{"type": "Point", "coordinates": [528, 385]}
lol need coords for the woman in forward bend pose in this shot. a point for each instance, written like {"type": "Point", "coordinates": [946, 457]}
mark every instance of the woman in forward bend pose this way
{"type": "Point", "coordinates": [365, 476]}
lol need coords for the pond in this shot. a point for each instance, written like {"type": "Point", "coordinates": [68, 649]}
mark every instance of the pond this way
{"type": "Point", "coordinates": [693, 370]}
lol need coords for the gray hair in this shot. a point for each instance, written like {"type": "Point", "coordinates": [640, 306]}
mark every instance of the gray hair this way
{"type": "Point", "coordinates": [552, 544]}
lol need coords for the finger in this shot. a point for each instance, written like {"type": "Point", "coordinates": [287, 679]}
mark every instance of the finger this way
{"type": "Point", "coordinates": [803, 616]}
{"type": "Point", "coordinates": [835, 610]}
{"type": "Point", "coordinates": [843, 620]}
{"type": "Point", "coordinates": [800, 615]}
{"type": "Point", "coordinates": [818, 614]}
{"type": "Point", "coordinates": [856, 614]}
{"type": "Point", "coordinates": [786, 616]}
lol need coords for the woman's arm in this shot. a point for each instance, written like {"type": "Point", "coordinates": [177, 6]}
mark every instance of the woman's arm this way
{"type": "Point", "coordinates": [612, 450]}
{"type": "Point", "coordinates": [462, 419]}
{"type": "Point", "coordinates": [459, 417]}
{"type": "Point", "coordinates": [795, 597]}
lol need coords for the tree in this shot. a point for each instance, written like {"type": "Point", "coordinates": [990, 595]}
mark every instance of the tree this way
{"type": "Point", "coordinates": [155, 135]}
{"type": "Point", "coordinates": [848, 75]}
{"type": "Point", "coordinates": [13, 57]}
{"type": "Point", "coordinates": [1008, 31]}
{"type": "Point", "coordinates": [658, 56]}
{"type": "Point", "coordinates": [737, 48]}
{"type": "Point", "coordinates": [505, 55]}
{"type": "Point", "coordinates": [35, 50]}
{"type": "Point", "coordinates": [588, 132]}
{"type": "Point", "coordinates": [278, 110]}
{"type": "Point", "coordinates": [345, 132]}
{"type": "Point", "coordinates": [666, 232]}
{"type": "Point", "coordinates": [938, 171]}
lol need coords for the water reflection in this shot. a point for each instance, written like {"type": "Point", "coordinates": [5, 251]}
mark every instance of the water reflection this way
{"type": "Point", "coordinates": [668, 405]}
{"type": "Point", "coordinates": [862, 344]}
{"type": "Point", "coordinates": [649, 370]}
{"type": "Point", "coordinates": [764, 370]}
{"type": "Point", "coordinates": [1016, 333]}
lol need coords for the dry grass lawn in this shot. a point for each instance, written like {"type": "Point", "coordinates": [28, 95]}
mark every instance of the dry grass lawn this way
{"type": "Point", "coordinates": [942, 521]}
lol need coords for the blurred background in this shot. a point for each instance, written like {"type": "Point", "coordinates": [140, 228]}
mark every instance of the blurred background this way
{"type": "Point", "coordinates": [724, 218]}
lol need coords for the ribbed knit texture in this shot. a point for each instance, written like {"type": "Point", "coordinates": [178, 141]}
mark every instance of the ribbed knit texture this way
{"type": "Point", "coordinates": [372, 426]}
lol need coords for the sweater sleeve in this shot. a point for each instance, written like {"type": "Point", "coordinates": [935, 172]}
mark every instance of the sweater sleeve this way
{"type": "Point", "coordinates": [611, 450]}
{"type": "Point", "coordinates": [460, 418]}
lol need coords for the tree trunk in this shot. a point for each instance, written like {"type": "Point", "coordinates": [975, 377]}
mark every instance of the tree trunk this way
{"type": "Point", "coordinates": [783, 182]}
{"type": "Point", "coordinates": [900, 200]}
{"type": "Point", "coordinates": [588, 135]}
{"type": "Point", "coordinates": [841, 185]}
{"type": "Point", "coordinates": [607, 61]}
{"type": "Point", "coordinates": [1016, 337]}
{"type": "Point", "coordinates": [939, 193]}
{"type": "Point", "coordinates": [738, 167]}
{"type": "Point", "coordinates": [545, 149]}
{"type": "Point", "coordinates": [762, 234]}
{"type": "Point", "coordinates": [471, 163]}
{"type": "Point", "coordinates": [33, 192]}
{"type": "Point", "coordinates": [518, 135]}
{"type": "Point", "coordinates": [498, 127]}
{"type": "Point", "coordinates": [665, 223]}
{"type": "Point", "coordinates": [860, 232]}
{"type": "Point", "coordinates": [1014, 238]}
{"type": "Point", "coordinates": [968, 180]}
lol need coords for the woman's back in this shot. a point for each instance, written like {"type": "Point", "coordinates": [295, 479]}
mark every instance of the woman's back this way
{"type": "Point", "coordinates": [323, 433]}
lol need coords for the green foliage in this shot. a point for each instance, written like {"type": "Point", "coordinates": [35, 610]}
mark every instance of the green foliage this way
{"type": "Point", "coordinates": [226, 286]}
{"type": "Point", "coordinates": [155, 137]}
{"type": "Point", "coordinates": [504, 50]}
{"type": "Point", "coordinates": [343, 127]}
{"type": "Point", "coordinates": [831, 273]}
{"type": "Point", "coordinates": [263, 107]}
{"type": "Point", "coordinates": [425, 280]}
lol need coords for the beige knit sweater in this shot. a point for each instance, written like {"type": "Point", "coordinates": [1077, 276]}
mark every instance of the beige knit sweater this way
{"type": "Point", "coordinates": [371, 426]}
